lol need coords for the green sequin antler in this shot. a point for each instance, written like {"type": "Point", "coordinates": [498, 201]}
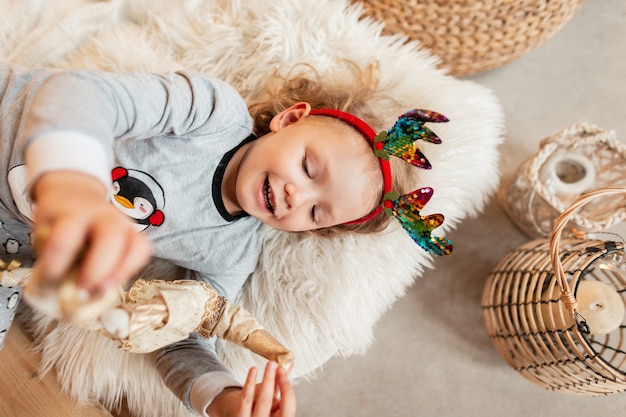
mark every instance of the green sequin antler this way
{"type": "Point", "coordinates": [400, 139]}
{"type": "Point", "coordinates": [406, 208]}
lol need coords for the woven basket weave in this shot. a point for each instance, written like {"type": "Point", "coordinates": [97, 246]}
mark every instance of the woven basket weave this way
{"type": "Point", "coordinates": [533, 206]}
{"type": "Point", "coordinates": [474, 35]}
{"type": "Point", "coordinates": [535, 318]}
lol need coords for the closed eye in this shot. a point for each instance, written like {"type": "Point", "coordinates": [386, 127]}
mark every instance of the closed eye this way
{"type": "Point", "coordinates": [307, 171]}
{"type": "Point", "coordinates": [305, 167]}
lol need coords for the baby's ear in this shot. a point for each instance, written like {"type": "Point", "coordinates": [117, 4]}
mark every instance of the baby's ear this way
{"type": "Point", "coordinates": [290, 115]}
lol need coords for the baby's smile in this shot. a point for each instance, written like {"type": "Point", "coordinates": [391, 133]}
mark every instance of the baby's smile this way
{"type": "Point", "coordinates": [268, 195]}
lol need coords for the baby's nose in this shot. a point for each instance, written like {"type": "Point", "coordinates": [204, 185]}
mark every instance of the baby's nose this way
{"type": "Point", "coordinates": [296, 196]}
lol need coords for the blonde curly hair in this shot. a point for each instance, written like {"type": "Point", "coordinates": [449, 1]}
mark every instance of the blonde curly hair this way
{"type": "Point", "coordinates": [353, 92]}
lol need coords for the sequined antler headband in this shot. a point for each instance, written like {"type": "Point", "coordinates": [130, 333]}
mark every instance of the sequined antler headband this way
{"type": "Point", "coordinates": [399, 141]}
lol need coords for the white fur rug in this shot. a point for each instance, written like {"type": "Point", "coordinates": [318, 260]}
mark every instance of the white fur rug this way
{"type": "Point", "coordinates": [320, 297]}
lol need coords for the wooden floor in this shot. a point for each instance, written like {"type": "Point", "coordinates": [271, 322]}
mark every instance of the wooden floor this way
{"type": "Point", "coordinates": [24, 394]}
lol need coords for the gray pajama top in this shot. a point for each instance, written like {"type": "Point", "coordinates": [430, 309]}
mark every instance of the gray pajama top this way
{"type": "Point", "coordinates": [160, 141]}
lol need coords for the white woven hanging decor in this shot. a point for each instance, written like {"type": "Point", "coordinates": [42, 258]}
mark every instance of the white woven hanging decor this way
{"type": "Point", "coordinates": [576, 160]}
{"type": "Point", "coordinates": [554, 308]}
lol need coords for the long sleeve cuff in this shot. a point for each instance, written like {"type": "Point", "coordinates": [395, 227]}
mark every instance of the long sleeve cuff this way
{"type": "Point", "coordinates": [67, 150]}
{"type": "Point", "coordinates": [207, 387]}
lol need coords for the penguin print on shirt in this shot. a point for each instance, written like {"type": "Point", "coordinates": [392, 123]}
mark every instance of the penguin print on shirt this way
{"type": "Point", "coordinates": [9, 299]}
{"type": "Point", "coordinates": [136, 193]}
{"type": "Point", "coordinates": [139, 196]}
{"type": "Point", "coordinates": [12, 246]}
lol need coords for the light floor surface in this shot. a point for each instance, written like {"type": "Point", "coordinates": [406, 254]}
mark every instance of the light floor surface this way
{"type": "Point", "coordinates": [432, 356]}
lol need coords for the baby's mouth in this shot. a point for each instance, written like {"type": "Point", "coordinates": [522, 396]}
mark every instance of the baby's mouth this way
{"type": "Point", "coordinates": [268, 195]}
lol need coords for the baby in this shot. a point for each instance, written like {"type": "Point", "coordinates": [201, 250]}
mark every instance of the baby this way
{"type": "Point", "coordinates": [128, 166]}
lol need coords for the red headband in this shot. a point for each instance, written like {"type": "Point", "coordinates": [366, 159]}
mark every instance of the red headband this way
{"type": "Point", "coordinates": [369, 133]}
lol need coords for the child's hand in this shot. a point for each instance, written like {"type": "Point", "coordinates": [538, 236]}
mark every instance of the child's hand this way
{"type": "Point", "coordinates": [273, 397]}
{"type": "Point", "coordinates": [75, 210]}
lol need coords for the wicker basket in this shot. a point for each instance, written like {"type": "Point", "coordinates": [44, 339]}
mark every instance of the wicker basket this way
{"type": "Point", "coordinates": [568, 164]}
{"type": "Point", "coordinates": [471, 36]}
{"type": "Point", "coordinates": [562, 340]}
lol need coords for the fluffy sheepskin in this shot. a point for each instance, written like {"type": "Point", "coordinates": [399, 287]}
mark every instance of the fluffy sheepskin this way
{"type": "Point", "coordinates": [320, 297]}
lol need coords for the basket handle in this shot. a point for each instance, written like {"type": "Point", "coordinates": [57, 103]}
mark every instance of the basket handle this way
{"type": "Point", "coordinates": [566, 293]}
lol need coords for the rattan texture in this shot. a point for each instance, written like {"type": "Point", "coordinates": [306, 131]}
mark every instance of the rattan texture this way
{"type": "Point", "coordinates": [533, 207]}
{"type": "Point", "coordinates": [531, 315]}
{"type": "Point", "coordinates": [472, 36]}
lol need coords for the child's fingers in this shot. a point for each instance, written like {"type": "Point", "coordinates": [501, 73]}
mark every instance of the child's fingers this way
{"type": "Point", "coordinates": [287, 405]}
{"type": "Point", "coordinates": [286, 371]}
{"type": "Point", "coordinates": [104, 250]}
{"type": "Point", "coordinates": [289, 368]}
{"type": "Point", "coordinates": [58, 244]}
{"type": "Point", "coordinates": [247, 392]}
{"type": "Point", "coordinates": [265, 391]}
{"type": "Point", "coordinates": [113, 255]}
{"type": "Point", "coordinates": [136, 255]}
